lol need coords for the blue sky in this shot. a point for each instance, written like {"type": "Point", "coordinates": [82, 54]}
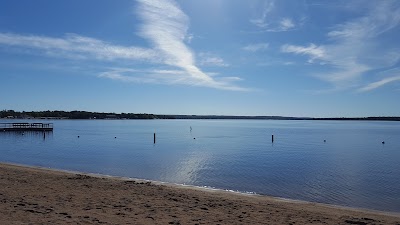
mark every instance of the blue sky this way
{"type": "Point", "coordinates": [225, 57]}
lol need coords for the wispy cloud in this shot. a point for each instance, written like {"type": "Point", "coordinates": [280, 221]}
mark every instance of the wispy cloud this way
{"type": "Point", "coordinates": [169, 77]}
{"type": "Point", "coordinates": [164, 26]}
{"type": "Point", "coordinates": [286, 24]}
{"type": "Point", "coordinates": [152, 76]}
{"type": "Point", "coordinates": [269, 21]}
{"type": "Point", "coordinates": [381, 17]}
{"type": "Point", "coordinates": [261, 21]}
{"type": "Point", "coordinates": [313, 51]}
{"type": "Point", "coordinates": [256, 47]}
{"type": "Point", "coordinates": [210, 59]}
{"type": "Point", "coordinates": [213, 61]}
{"type": "Point", "coordinates": [189, 38]}
{"type": "Point", "coordinates": [386, 77]}
{"type": "Point", "coordinates": [76, 46]}
{"type": "Point", "coordinates": [353, 48]}
{"type": "Point", "coordinates": [380, 83]}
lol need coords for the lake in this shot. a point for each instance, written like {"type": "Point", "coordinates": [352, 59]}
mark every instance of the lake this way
{"type": "Point", "coordinates": [335, 162]}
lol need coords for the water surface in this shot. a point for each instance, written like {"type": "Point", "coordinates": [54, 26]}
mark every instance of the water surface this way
{"type": "Point", "coordinates": [352, 168]}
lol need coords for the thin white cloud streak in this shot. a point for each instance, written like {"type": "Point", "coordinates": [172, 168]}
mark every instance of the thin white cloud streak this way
{"type": "Point", "coordinates": [165, 26]}
{"type": "Point", "coordinates": [142, 76]}
{"type": "Point", "coordinates": [387, 76]}
{"type": "Point", "coordinates": [169, 77]}
{"type": "Point", "coordinates": [78, 47]}
{"type": "Point", "coordinates": [209, 59]}
{"type": "Point", "coordinates": [213, 61]}
{"type": "Point", "coordinates": [256, 47]}
{"type": "Point", "coordinates": [283, 25]}
{"type": "Point", "coordinates": [315, 52]}
{"type": "Point", "coordinates": [379, 84]}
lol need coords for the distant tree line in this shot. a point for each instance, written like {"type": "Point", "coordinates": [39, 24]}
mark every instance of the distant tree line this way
{"type": "Point", "coordinates": [380, 118]}
{"type": "Point", "coordinates": [272, 117]}
{"type": "Point", "coordinates": [230, 117]}
{"type": "Point", "coordinates": [98, 115]}
{"type": "Point", "coordinates": [73, 115]}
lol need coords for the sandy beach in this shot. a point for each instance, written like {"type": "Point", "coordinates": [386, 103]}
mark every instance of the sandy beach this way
{"type": "Point", "coordinates": [30, 195]}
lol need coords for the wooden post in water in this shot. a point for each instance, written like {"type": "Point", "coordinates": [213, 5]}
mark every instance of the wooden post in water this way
{"type": "Point", "coordinates": [154, 138]}
{"type": "Point", "coordinates": [272, 138]}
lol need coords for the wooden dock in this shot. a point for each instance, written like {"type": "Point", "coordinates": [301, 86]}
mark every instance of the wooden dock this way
{"type": "Point", "coordinates": [26, 126]}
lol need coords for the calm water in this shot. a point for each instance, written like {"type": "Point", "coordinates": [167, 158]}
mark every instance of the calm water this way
{"type": "Point", "coordinates": [352, 168]}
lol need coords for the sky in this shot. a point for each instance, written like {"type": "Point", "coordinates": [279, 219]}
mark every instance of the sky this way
{"type": "Point", "coordinates": [312, 58]}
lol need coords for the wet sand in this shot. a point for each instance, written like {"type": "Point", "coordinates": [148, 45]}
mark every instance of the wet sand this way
{"type": "Point", "coordinates": [31, 195]}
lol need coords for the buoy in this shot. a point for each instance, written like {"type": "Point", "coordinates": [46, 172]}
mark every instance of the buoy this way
{"type": "Point", "coordinates": [194, 138]}
{"type": "Point", "coordinates": [383, 142]}
{"type": "Point", "coordinates": [115, 137]}
{"type": "Point", "coordinates": [324, 140]}
{"type": "Point", "coordinates": [78, 136]}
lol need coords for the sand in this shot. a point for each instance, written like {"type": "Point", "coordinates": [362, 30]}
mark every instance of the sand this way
{"type": "Point", "coordinates": [31, 195]}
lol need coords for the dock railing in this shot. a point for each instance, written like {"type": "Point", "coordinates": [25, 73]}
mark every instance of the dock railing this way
{"type": "Point", "coordinates": [26, 126]}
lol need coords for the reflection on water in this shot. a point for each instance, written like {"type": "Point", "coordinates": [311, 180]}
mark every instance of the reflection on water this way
{"type": "Point", "coordinates": [341, 163]}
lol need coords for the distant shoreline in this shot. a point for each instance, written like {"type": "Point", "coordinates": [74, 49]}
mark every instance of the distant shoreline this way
{"type": "Point", "coordinates": [11, 114]}
{"type": "Point", "coordinates": [184, 117]}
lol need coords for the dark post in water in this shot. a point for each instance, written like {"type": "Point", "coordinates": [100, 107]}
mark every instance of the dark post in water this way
{"type": "Point", "coordinates": [272, 138]}
{"type": "Point", "coordinates": [154, 138]}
